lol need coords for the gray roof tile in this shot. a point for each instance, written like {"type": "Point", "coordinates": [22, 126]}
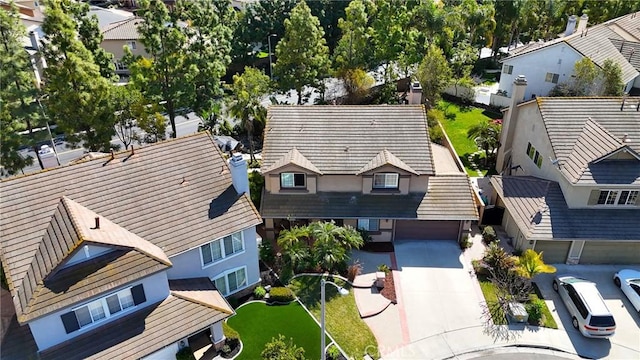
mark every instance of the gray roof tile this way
{"type": "Point", "coordinates": [448, 198]}
{"type": "Point", "coordinates": [539, 208]}
{"type": "Point", "coordinates": [343, 139]}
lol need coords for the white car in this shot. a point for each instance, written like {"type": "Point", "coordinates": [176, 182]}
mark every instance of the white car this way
{"type": "Point", "coordinates": [629, 282]}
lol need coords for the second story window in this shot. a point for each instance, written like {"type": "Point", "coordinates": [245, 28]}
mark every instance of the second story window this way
{"type": "Point", "coordinates": [507, 69]}
{"type": "Point", "coordinates": [221, 248]}
{"type": "Point", "coordinates": [618, 197]}
{"type": "Point", "coordinates": [293, 181]}
{"type": "Point", "coordinates": [131, 45]}
{"type": "Point", "coordinates": [534, 155]}
{"type": "Point", "coordinates": [552, 78]}
{"type": "Point", "coordinates": [103, 308]}
{"type": "Point", "coordinates": [385, 181]}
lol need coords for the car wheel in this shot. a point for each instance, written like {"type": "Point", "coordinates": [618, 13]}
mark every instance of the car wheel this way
{"type": "Point", "coordinates": [574, 322]}
{"type": "Point", "coordinates": [616, 280]}
{"type": "Point", "coordinates": [555, 285]}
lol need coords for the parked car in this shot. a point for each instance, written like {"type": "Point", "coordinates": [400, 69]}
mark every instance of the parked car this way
{"type": "Point", "coordinates": [629, 282]}
{"type": "Point", "coordinates": [589, 313]}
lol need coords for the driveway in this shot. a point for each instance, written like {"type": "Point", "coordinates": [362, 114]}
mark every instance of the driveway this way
{"type": "Point", "coordinates": [627, 334]}
{"type": "Point", "coordinates": [437, 292]}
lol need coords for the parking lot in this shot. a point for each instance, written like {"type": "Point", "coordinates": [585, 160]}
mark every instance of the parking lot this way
{"type": "Point", "coordinates": [627, 319]}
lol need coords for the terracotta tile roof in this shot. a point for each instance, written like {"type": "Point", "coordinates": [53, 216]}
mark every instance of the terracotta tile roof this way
{"type": "Point", "coordinates": [176, 195]}
{"type": "Point", "coordinates": [343, 139]}
{"type": "Point", "coordinates": [448, 198]}
{"type": "Point", "coordinates": [385, 157]}
{"type": "Point", "coordinates": [540, 210]}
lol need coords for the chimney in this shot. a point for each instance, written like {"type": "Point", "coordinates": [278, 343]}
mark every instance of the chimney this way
{"type": "Point", "coordinates": [38, 62]}
{"type": "Point", "coordinates": [239, 175]}
{"type": "Point", "coordinates": [35, 40]}
{"type": "Point", "coordinates": [571, 25]}
{"type": "Point", "coordinates": [509, 120]}
{"type": "Point", "coordinates": [415, 93]}
{"type": "Point", "coordinates": [582, 24]}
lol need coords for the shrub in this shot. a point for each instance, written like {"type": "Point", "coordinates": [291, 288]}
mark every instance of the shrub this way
{"type": "Point", "coordinates": [497, 259]}
{"type": "Point", "coordinates": [366, 237]}
{"type": "Point", "coordinates": [266, 252]}
{"type": "Point", "coordinates": [256, 183]}
{"type": "Point", "coordinates": [185, 354]}
{"type": "Point", "coordinates": [489, 235]}
{"type": "Point", "coordinates": [354, 270]}
{"type": "Point", "coordinates": [333, 353]}
{"type": "Point", "coordinates": [259, 292]}
{"type": "Point", "coordinates": [281, 294]}
{"type": "Point", "coordinates": [479, 267]}
{"type": "Point", "coordinates": [229, 332]}
{"type": "Point", "coordinates": [466, 242]}
{"type": "Point", "coordinates": [535, 310]}
{"type": "Point", "coordinates": [384, 268]}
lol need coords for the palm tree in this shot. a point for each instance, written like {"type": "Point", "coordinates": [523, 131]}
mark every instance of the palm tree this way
{"type": "Point", "coordinates": [296, 251]}
{"type": "Point", "coordinates": [530, 264]}
{"type": "Point", "coordinates": [244, 105]}
{"type": "Point", "coordinates": [332, 243]}
{"type": "Point", "coordinates": [486, 134]}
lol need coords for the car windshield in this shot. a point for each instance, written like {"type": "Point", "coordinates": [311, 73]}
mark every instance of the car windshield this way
{"type": "Point", "coordinates": [602, 321]}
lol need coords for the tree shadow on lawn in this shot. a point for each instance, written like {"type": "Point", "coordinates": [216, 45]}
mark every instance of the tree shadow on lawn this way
{"type": "Point", "coordinates": [307, 288]}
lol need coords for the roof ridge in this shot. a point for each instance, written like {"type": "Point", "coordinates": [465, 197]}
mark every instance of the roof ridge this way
{"type": "Point", "coordinates": [116, 24]}
{"type": "Point", "coordinates": [177, 293]}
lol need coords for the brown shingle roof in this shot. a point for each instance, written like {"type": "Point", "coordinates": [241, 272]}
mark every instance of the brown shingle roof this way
{"type": "Point", "coordinates": [448, 198]}
{"type": "Point", "coordinates": [343, 139]}
{"type": "Point", "coordinates": [175, 194]}
{"type": "Point", "coordinates": [200, 291]}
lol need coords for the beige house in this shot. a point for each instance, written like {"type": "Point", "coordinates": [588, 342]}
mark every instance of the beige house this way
{"type": "Point", "coordinates": [371, 167]}
{"type": "Point", "coordinates": [119, 34]}
{"type": "Point", "coordinates": [570, 180]}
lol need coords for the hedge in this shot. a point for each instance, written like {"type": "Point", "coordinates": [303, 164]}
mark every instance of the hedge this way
{"type": "Point", "coordinates": [281, 294]}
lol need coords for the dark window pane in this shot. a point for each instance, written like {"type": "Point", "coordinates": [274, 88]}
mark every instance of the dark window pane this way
{"type": "Point", "coordinates": [84, 318]}
{"type": "Point", "coordinates": [113, 303]}
{"type": "Point", "coordinates": [206, 254]}
{"type": "Point", "coordinates": [602, 321]}
{"type": "Point", "coordinates": [299, 180]}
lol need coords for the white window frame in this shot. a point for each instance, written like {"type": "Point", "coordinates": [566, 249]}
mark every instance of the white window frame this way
{"type": "Point", "coordinates": [507, 69]}
{"type": "Point", "coordinates": [552, 78]}
{"type": "Point", "coordinates": [390, 181]}
{"type": "Point", "coordinates": [365, 224]}
{"type": "Point", "coordinates": [132, 45]}
{"type": "Point", "coordinates": [225, 276]}
{"type": "Point", "coordinates": [105, 308]}
{"type": "Point", "coordinates": [223, 250]}
{"type": "Point", "coordinates": [614, 196]}
{"type": "Point", "coordinates": [293, 175]}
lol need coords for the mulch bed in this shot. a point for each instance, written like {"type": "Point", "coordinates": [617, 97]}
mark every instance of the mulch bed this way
{"type": "Point", "coordinates": [384, 247]}
{"type": "Point", "coordinates": [389, 289]}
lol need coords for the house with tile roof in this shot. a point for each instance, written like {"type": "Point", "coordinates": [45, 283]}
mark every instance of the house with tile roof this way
{"type": "Point", "coordinates": [117, 35]}
{"type": "Point", "coordinates": [570, 177]}
{"type": "Point", "coordinates": [128, 255]}
{"type": "Point", "coordinates": [546, 64]}
{"type": "Point", "coordinates": [370, 167]}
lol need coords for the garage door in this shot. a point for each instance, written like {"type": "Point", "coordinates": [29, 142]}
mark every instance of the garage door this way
{"type": "Point", "coordinates": [427, 230]}
{"type": "Point", "coordinates": [606, 252]}
{"type": "Point", "coordinates": [555, 252]}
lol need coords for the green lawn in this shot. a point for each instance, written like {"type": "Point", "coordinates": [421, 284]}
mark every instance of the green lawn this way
{"type": "Point", "coordinates": [456, 124]}
{"type": "Point", "coordinates": [257, 323]}
{"type": "Point", "coordinates": [343, 320]}
{"type": "Point", "coordinates": [489, 292]}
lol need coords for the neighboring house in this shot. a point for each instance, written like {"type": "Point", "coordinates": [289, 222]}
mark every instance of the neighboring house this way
{"type": "Point", "coordinates": [119, 34]}
{"type": "Point", "coordinates": [570, 180]}
{"type": "Point", "coordinates": [547, 64]}
{"type": "Point", "coordinates": [127, 255]}
{"type": "Point", "coordinates": [371, 167]}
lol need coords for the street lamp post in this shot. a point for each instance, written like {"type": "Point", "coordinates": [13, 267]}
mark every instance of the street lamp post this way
{"type": "Point", "coordinates": [342, 291]}
{"type": "Point", "coordinates": [270, 66]}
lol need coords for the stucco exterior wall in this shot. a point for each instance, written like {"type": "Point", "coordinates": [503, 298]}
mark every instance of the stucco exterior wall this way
{"type": "Point", "coordinates": [116, 48]}
{"type": "Point", "coordinates": [49, 330]}
{"type": "Point", "coordinates": [189, 263]}
{"type": "Point", "coordinates": [559, 59]}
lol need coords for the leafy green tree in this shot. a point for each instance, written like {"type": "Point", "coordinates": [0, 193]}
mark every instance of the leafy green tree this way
{"type": "Point", "coordinates": [279, 349]}
{"type": "Point", "coordinates": [134, 113]}
{"type": "Point", "coordinates": [530, 264]}
{"type": "Point", "coordinates": [245, 103]}
{"type": "Point", "coordinates": [331, 243]}
{"type": "Point", "coordinates": [90, 35]}
{"type": "Point", "coordinates": [303, 56]}
{"type": "Point", "coordinates": [210, 22]}
{"type": "Point", "coordinates": [357, 84]}
{"type": "Point", "coordinates": [477, 22]}
{"type": "Point", "coordinates": [79, 97]}
{"type": "Point", "coordinates": [166, 77]}
{"type": "Point", "coordinates": [328, 13]}
{"type": "Point", "coordinates": [487, 136]}
{"type": "Point", "coordinates": [389, 34]}
{"type": "Point", "coordinates": [507, 14]}
{"type": "Point", "coordinates": [461, 64]}
{"type": "Point", "coordinates": [354, 48]}
{"type": "Point", "coordinates": [17, 92]}
{"type": "Point", "coordinates": [434, 74]}
{"type": "Point", "coordinates": [612, 79]}
{"type": "Point", "coordinates": [426, 25]}
{"type": "Point", "coordinates": [586, 73]}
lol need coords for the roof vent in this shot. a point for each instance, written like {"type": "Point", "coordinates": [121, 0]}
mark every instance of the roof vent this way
{"type": "Point", "coordinates": [97, 223]}
{"type": "Point", "coordinates": [625, 138]}
{"type": "Point", "coordinates": [346, 149]}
